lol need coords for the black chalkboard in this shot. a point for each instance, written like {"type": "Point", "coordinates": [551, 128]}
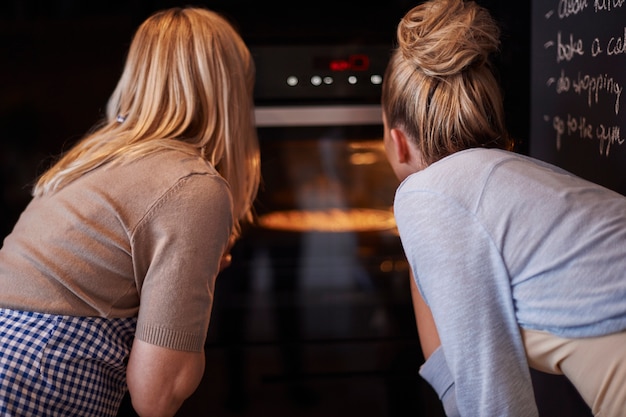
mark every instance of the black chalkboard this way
{"type": "Point", "coordinates": [578, 73]}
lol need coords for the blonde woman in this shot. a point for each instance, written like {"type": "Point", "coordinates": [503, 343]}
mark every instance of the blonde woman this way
{"type": "Point", "coordinates": [107, 277]}
{"type": "Point", "coordinates": [516, 263]}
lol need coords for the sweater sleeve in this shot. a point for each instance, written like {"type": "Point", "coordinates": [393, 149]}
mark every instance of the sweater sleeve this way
{"type": "Point", "coordinates": [176, 253]}
{"type": "Point", "coordinates": [435, 371]}
{"type": "Point", "coordinates": [463, 279]}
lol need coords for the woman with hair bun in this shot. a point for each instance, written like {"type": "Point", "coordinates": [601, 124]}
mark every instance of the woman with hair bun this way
{"type": "Point", "coordinates": [108, 275]}
{"type": "Point", "coordinates": [515, 263]}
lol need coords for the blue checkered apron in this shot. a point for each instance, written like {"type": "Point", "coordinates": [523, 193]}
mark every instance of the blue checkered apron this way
{"type": "Point", "coordinates": [63, 366]}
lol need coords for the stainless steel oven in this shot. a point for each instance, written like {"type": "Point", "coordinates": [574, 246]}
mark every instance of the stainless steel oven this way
{"type": "Point", "coordinates": [327, 186]}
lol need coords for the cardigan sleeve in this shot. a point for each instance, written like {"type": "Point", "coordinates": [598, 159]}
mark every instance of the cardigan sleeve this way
{"type": "Point", "coordinates": [176, 252]}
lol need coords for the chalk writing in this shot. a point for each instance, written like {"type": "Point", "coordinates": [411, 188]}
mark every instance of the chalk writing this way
{"type": "Point", "coordinates": [607, 136]}
{"type": "Point", "coordinates": [616, 46]}
{"type": "Point", "coordinates": [579, 127]}
{"type": "Point", "coordinates": [591, 86]}
{"type": "Point", "coordinates": [567, 8]}
{"type": "Point", "coordinates": [607, 5]}
{"type": "Point", "coordinates": [571, 7]}
{"type": "Point", "coordinates": [567, 51]}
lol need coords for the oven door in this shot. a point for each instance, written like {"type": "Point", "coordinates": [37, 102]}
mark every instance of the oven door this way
{"type": "Point", "coordinates": [328, 191]}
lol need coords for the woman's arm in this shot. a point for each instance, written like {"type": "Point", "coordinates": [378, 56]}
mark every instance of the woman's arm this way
{"type": "Point", "coordinates": [426, 330]}
{"type": "Point", "coordinates": [435, 371]}
{"type": "Point", "coordinates": [160, 379]}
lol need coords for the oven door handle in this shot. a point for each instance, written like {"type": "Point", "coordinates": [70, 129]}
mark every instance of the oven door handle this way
{"type": "Point", "coordinates": [329, 115]}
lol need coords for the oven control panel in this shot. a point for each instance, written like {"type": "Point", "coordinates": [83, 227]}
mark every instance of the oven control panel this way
{"type": "Point", "coordinates": [302, 74]}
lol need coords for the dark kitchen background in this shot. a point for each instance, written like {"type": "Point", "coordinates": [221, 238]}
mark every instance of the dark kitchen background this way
{"type": "Point", "coordinates": [273, 349]}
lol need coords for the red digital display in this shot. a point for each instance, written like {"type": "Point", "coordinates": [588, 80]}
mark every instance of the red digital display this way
{"type": "Point", "coordinates": [355, 62]}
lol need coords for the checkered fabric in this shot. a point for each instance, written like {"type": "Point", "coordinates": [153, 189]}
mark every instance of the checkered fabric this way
{"type": "Point", "coordinates": [62, 366]}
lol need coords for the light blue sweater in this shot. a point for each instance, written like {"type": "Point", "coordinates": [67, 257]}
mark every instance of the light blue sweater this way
{"type": "Point", "coordinates": [497, 240]}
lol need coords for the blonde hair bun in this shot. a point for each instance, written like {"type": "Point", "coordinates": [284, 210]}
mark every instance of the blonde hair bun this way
{"type": "Point", "coordinates": [445, 37]}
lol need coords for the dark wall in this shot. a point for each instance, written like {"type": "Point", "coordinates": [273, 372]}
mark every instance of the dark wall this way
{"type": "Point", "coordinates": [61, 59]}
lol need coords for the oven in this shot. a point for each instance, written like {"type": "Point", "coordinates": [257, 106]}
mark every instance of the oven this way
{"type": "Point", "coordinates": [315, 310]}
{"type": "Point", "coordinates": [325, 205]}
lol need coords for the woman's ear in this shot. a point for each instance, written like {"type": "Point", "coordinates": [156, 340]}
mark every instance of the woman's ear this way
{"type": "Point", "coordinates": [400, 146]}
{"type": "Point", "coordinates": [403, 154]}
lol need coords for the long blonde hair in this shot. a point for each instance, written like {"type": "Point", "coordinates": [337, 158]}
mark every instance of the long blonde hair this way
{"type": "Point", "coordinates": [187, 84]}
{"type": "Point", "coordinates": [439, 85]}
